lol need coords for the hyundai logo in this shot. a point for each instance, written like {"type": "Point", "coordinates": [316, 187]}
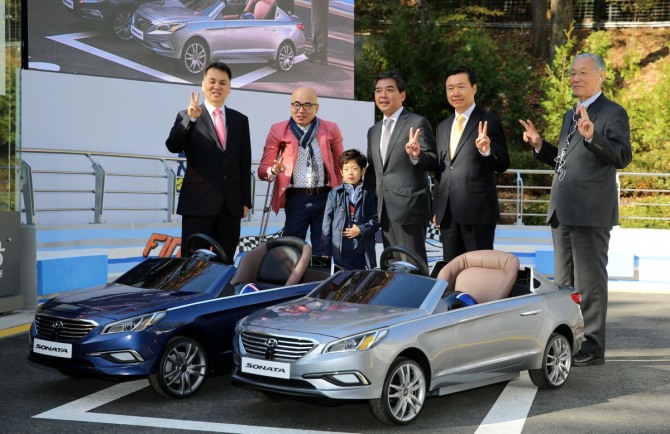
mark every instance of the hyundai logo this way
{"type": "Point", "coordinates": [58, 325]}
{"type": "Point", "coordinates": [272, 343]}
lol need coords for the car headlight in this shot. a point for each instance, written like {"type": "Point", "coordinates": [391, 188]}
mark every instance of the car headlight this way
{"type": "Point", "coordinates": [134, 324]}
{"type": "Point", "coordinates": [360, 342]}
{"type": "Point", "coordinates": [169, 27]}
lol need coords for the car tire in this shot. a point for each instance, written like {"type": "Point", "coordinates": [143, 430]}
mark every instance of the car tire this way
{"type": "Point", "coordinates": [285, 56]}
{"type": "Point", "coordinates": [121, 24]}
{"type": "Point", "coordinates": [403, 394]}
{"type": "Point", "coordinates": [195, 56]}
{"type": "Point", "coordinates": [182, 369]}
{"type": "Point", "coordinates": [556, 362]}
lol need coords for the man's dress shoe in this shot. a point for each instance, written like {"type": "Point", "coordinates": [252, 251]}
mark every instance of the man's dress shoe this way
{"type": "Point", "coordinates": [317, 57]}
{"type": "Point", "coordinates": [584, 359]}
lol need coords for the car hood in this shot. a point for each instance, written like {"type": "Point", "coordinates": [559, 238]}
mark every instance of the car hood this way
{"type": "Point", "coordinates": [116, 301]}
{"type": "Point", "coordinates": [329, 318]}
{"type": "Point", "coordinates": [170, 11]}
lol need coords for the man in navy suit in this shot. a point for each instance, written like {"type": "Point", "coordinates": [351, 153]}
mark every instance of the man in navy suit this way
{"type": "Point", "coordinates": [584, 203]}
{"type": "Point", "coordinates": [466, 200]}
{"type": "Point", "coordinates": [216, 191]}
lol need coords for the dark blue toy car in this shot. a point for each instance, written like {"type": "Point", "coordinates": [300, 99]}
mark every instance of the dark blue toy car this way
{"type": "Point", "coordinates": [170, 319]}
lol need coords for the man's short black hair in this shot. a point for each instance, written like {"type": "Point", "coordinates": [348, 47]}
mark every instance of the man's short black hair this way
{"type": "Point", "coordinates": [353, 155]}
{"type": "Point", "coordinates": [393, 75]}
{"type": "Point", "coordinates": [472, 77]}
{"type": "Point", "coordinates": [221, 67]}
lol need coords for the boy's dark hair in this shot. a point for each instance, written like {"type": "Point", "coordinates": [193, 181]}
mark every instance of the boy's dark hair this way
{"type": "Point", "coordinates": [221, 67]}
{"type": "Point", "coordinates": [393, 75]}
{"type": "Point", "coordinates": [355, 155]}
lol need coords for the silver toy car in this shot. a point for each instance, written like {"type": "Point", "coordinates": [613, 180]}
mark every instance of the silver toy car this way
{"type": "Point", "coordinates": [198, 31]}
{"type": "Point", "coordinates": [393, 338]}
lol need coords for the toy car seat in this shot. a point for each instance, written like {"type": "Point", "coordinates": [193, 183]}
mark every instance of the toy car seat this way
{"type": "Point", "coordinates": [277, 262]}
{"type": "Point", "coordinates": [265, 9]}
{"type": "Point", "coordinates": [486, 275]}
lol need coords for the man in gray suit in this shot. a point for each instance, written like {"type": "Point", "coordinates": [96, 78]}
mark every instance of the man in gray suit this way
{"type": "Point", "coordinates": [583, 207]}
{"type": "Point", "coordinates": [401, 152]}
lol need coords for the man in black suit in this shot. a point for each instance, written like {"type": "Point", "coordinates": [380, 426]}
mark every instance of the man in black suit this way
{"type": "Point", "coordinates": [471, 148]}
{"type": "Point", "coordinates": [319, 52]}
{"type": "Point", "coordinates": [583, 206]}
{"type": "Point", "coordinates": [401, 152]}
{"type": "Point", "coordinates": [216, 191]}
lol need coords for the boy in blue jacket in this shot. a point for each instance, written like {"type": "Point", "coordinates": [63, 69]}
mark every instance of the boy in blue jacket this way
{"type": "Point", "coordinates": [350, 220]}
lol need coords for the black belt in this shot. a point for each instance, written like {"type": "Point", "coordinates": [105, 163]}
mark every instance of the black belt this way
{"type": "Point", "coordinates": [314, 191]}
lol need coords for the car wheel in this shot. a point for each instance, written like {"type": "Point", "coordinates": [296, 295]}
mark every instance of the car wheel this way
{"type": "Point", "coordinates": [121, 24]}
{"type": "Point", "coordinates": [285, 56]}
{"type": "Point", "coordinates": [266, 396]}
{"type": "Point", "coordinates": [195, 56]}
{"type": "Point", "coordinates": [182, 369]}
{"type": "Point", "coordinates": [403, 394]}
{"type": "Point", "coordinates": [556, 363]}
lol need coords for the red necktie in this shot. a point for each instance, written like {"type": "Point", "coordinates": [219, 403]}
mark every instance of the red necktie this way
{"type": "Point", "coordinates": [220, 127]}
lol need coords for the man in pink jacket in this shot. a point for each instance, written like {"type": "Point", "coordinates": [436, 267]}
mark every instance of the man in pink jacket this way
{"type": "Point", "coordinates": [301, 154]}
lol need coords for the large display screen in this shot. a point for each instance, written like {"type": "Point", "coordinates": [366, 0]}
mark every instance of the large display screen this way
{"type": "Point", "coordinates": [266, 42]}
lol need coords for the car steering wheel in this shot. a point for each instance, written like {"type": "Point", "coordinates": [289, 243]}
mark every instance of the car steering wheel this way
{"type": "Point", "coordinates": [218, 250]}
{"type": "Point", "coordinates": [416, 260]}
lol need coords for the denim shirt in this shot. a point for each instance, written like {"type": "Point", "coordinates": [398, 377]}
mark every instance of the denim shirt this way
{"type": "Point", "coordinates": [337, 217]}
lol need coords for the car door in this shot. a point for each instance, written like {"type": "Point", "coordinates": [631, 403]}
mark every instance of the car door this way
{"type": "Point", "coordinates": [495, 337]}
{"type": "Point", "coordinates": [252, 39]}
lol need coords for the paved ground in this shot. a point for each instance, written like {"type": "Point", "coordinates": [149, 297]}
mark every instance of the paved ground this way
{"type": "Point", "coordinates": [630, 393]}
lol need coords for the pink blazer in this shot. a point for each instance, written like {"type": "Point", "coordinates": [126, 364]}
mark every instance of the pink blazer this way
{"type": "Point", "coordinates": [330, 143]}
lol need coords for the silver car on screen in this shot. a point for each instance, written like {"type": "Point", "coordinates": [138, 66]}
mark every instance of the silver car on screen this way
{"type": "Point", "coordinates": [199, 31]}
{"type": "Point", "coordinates": [391, 338]}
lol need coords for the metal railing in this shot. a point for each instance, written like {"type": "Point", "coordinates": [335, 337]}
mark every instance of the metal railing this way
{"type": "Point", "coordinates": [523, 193]}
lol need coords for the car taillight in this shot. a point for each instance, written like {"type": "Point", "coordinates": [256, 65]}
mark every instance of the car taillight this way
{"type": "Point", "coordinates": [300, 27]}
{"type": "Point", "coordinates": [576, 297]}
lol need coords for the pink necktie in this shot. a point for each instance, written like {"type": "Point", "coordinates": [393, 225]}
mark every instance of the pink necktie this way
{"type": "Point", "coordinates": [220, 127]}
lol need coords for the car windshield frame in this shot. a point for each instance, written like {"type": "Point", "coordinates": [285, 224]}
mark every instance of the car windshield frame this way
{"type": "Point", "coordinates": [186, 275]}
{"type": "Point", "coordinates": [210, 8]}
{"type": "Point", "coordinates": [377, 288]}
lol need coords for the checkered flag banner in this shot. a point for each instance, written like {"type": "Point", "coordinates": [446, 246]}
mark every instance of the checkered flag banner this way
{"type": "Point", "coordinates": [432, 232]}
{"type": "Point", "coordinates": [248, 243]}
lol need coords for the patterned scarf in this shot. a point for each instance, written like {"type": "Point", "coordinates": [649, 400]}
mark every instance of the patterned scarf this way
{"type": "Point", "coordinates": [354, 192]}
{"type": "Point", "coordinates": [306, 138]}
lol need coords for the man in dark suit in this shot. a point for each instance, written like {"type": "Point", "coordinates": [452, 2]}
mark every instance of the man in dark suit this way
{"type": "Point", "coordinates": [216, 192]}
{"type": "Point", "coordinates": [583, 206]}
{"type": "Point", "coordinates": [471, 148]}
{"type": "Point", "coordinates": [401, 152]}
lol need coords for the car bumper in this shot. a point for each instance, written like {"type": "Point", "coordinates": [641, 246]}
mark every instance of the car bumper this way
{"type": "Point", "coordinates": [123, 355]}
{"type": "Point", "coordinates": [335, 376]}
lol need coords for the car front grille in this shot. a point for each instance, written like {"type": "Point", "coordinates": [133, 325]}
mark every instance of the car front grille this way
{"type": "Point", "coordinates": [62, 329]}
{"type": "Point", "coordinates": [287, 349]}
{"type": "Point", "coordinates": [142, 23]}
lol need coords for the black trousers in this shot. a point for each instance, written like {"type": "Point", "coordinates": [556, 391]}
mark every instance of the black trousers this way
{"type": "Point", "coordinates": [459, 238]}
{"type": "Point", "coordinates": [223, 227]}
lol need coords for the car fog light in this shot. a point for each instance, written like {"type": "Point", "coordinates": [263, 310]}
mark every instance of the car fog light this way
{"type": "Point", "coordinates": [166, 45]}
{"type": "Point", "coordinates": [341, 379]}
{"type": "Point", "coordinates": [127, 356]}
{"type": "Point", "coordinates": [94, 13]}
{"type": "Point", "coordinates": [347, 378]}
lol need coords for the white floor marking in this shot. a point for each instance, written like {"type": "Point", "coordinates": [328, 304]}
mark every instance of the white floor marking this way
{"type": "Point", "coordinates": [80, 411]}
{"type": "Point", "coordinates": [509, 412]}
{"type": "Point", "coordinates": [243, 80]}
{"type": "Point", "coordinates": [72, 40]}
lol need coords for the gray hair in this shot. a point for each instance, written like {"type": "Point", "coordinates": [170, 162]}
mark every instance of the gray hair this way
{"type": "Point", "coordinates": [598, 61]}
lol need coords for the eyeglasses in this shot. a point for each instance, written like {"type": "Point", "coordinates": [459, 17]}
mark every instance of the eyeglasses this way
{"type": "Point", "coordinates": [560, 159]}
{"type": "Point", "coordinates": [307, 106]}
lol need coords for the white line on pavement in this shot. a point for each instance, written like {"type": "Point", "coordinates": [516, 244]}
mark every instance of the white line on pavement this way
{"type": "Point", "coordinates": [80, 411]}
{"type": "Point", "coordinates": [510, 411]}
{"type": "Point", "coordinates": [72, 40]}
